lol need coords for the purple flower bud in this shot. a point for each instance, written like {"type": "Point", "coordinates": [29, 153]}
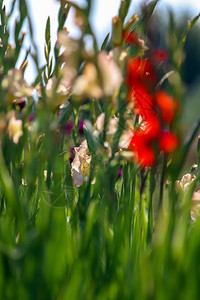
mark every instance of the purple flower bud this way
{"type": "Point", "coordinates": [120, 173]}
{"type": "Point", "coordinates": [71, 158]}
{"type": "Point", "coordinates": [67, 127]}
{"type": "Point", "coordinates": [31, 117]}
{"type": "Point", "coordinates": [80, 125]}
{"type": "Point", "coordinates": [20, 104]}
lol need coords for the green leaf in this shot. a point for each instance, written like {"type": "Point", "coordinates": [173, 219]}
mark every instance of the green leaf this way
{"type": "Point", "coordinates": [149, 11]}
{"type": "Point", "coordinates": [47, 31]}
{"type": "Point", "coordinates": [123, 10]}
{"type": "Point", "coordinates": [66, 112]}
{"type": "Point", "coordinates": [190, 25]}
{"type": "Point", "coordinates": [105, 42]}
{"type": "Point", "coordinates": [92, 141]}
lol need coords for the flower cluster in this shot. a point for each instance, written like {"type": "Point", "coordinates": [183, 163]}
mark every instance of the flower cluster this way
{"type": "Point", "coordinates": [156, 109]}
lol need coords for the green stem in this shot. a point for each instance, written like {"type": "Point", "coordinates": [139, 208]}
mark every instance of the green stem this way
{"type": "Point", "coordinates": [150, 210]}
{"type": "Point", "coordinates": [162, 178]}
{"type": "Point", "coordinates": [7, 183]}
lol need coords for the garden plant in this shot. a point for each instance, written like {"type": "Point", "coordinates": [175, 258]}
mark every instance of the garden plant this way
{"type": "Point", "coordinates": [95, 199]}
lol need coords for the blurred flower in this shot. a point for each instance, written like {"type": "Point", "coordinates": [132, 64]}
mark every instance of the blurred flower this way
{"type": "Point", "coordinates": [80, 127]}
{"type": "Point", "coordinates": [127, 134]}
{"type": "Point", "coordinates": [67, 127]}
{"type": "Point", "coordinates": [31, 117]}
{"type": "Point", "coordinates": [141, 146]}
{"type": "Point", "coordinates": [130, 37]}
{"type": "Point", "coordinates": [140, 71]}
{"type": "Point", "coordinates": [100, 122]}
{"type": "Point", "coordinates": [110, 73]}
{"type": "Point", "coordinates": [125, 138]}
{"type": "Point", "coordinates": [167, 105]}
{"type": "Point", "coordinates": [57, 91]}
{"type": "Point", "coordinates": [146, 137]}
{"type": "Point", "coordinates": [88, 84]}
{"type": "Point", "coordinates": [20, 104]}
{"type": "Point", "coordinates": [168, 142]}
{"type": "Point", "coordinates": [111, 126]}
{"type": "Point", "coordinates": [185, 182]}
{"type": "Point", "coordinates": [143, 101]}
{"type": "Point", "coordinates": [159, 55]}
{"type": "Point", "coordinates": [195, 205]}
{"type": "Point", "coordinates": [80, 164]}
{"type": "Point", "coordinates": [120, 173]}
{"type": "Point", "coordinates": [70, 48]}
{"type": "Point", "coordinates": [184, 185]}
{"type": "Point", "coordinates": [15, 129]}
{"type": "Point", "coordinates": [15, 86]}
{"type": "Point", "coordinates": [71, 156]}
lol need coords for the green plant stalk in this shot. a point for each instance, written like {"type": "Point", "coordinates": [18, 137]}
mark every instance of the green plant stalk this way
{"type": "Point", "coordinates": [150, 202]}
{"type": "Point", "coordinates": [76, 128]}
{"type": "Point", "coordinates": [162, 178]}
{"type": "Point", "coordinates": [8, 185]}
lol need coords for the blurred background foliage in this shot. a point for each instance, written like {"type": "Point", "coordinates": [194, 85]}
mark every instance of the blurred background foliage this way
{"type": "Point", "coordinates": [101, 241]}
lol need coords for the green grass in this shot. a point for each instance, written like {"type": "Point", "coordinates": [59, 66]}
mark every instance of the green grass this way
{"type": "Point", "coordinates": [128, 237]}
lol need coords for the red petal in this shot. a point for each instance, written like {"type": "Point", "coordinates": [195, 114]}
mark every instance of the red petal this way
{"type": "Point", "coordinates": [168, 142]}
{"type": "Point", "coordinates": [167, 106]}
{"type": "Point", "coordinates": [159, 55]}
{"type": "Point", "coordinates": [146, 157]}
{"type": "Point", "coordinates": [130, 38]}
{"type": "Point", "coordinates": [140, 71]}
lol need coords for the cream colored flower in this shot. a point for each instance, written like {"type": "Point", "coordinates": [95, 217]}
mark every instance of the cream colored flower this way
{"type": "Point", "coordinates": [125, 138]}
{"type": "Point", "coordinates": [111, 127]}
{"type": "Point", "coordinates": [185, 182]}
{"type": "Point", "coordinates": [184, 185]}
{"type": "Point", "coordinates": [88, 84]}
{"type": "Point", "coordinates": [15, 86]}
{"type": "Point", "coordinates": [57, 93]}
{"type": "Point", "coordinates": [80, 164]}
{"type": "Point", "coordinates": [195, 205]}
{"type": "Point", "coordinates": [110, 73]}
{"type": "Point", "coordinates": [15, 129]}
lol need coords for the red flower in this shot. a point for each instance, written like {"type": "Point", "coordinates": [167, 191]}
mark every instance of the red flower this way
{"type": "Point", "coordinates": [167, 106]}
{"type": "Point", "coordinates": [146, 157]}
{"type": "Point", "coordinates": [159, 55]}
{"type": "Point", "coordinates": [140, 71]}
{"type": "Point", "coordinates": [152, 128]}
{"type": "Point", "coordinates": [141, 79]}
{"type": "Point", "coordinates": [168, 142]}
{"type": "Point", "coordinates": [140, 145]}
{"type": "Point", "coordinates": [143, 101]}
{"type": "Point", "coordinates": [130, 38]}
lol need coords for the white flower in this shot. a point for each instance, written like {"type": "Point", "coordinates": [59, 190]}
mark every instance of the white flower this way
{"type": "Point", "coordinates": [15, 129]}
{"type": "Point", "coordinates": [80, 164]}
{"type": "Point", "coordinates": [125, 138]}
{"type": "Point", "coordinates": [195, 205]}
{"type": "Point", "coordinates": [110, 73]}
{"type": "Point", "coordinates": [185, 181]}
{"type": "Point", "coordinates": [15, 85]}
{"type": "Point", "coordinates": [88, 84]}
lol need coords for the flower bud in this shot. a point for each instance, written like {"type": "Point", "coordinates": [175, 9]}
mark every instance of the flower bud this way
{"type": "Point", "coordinates": [116, 31]}
{"type": "Point", "coordinates": [131, 22]}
